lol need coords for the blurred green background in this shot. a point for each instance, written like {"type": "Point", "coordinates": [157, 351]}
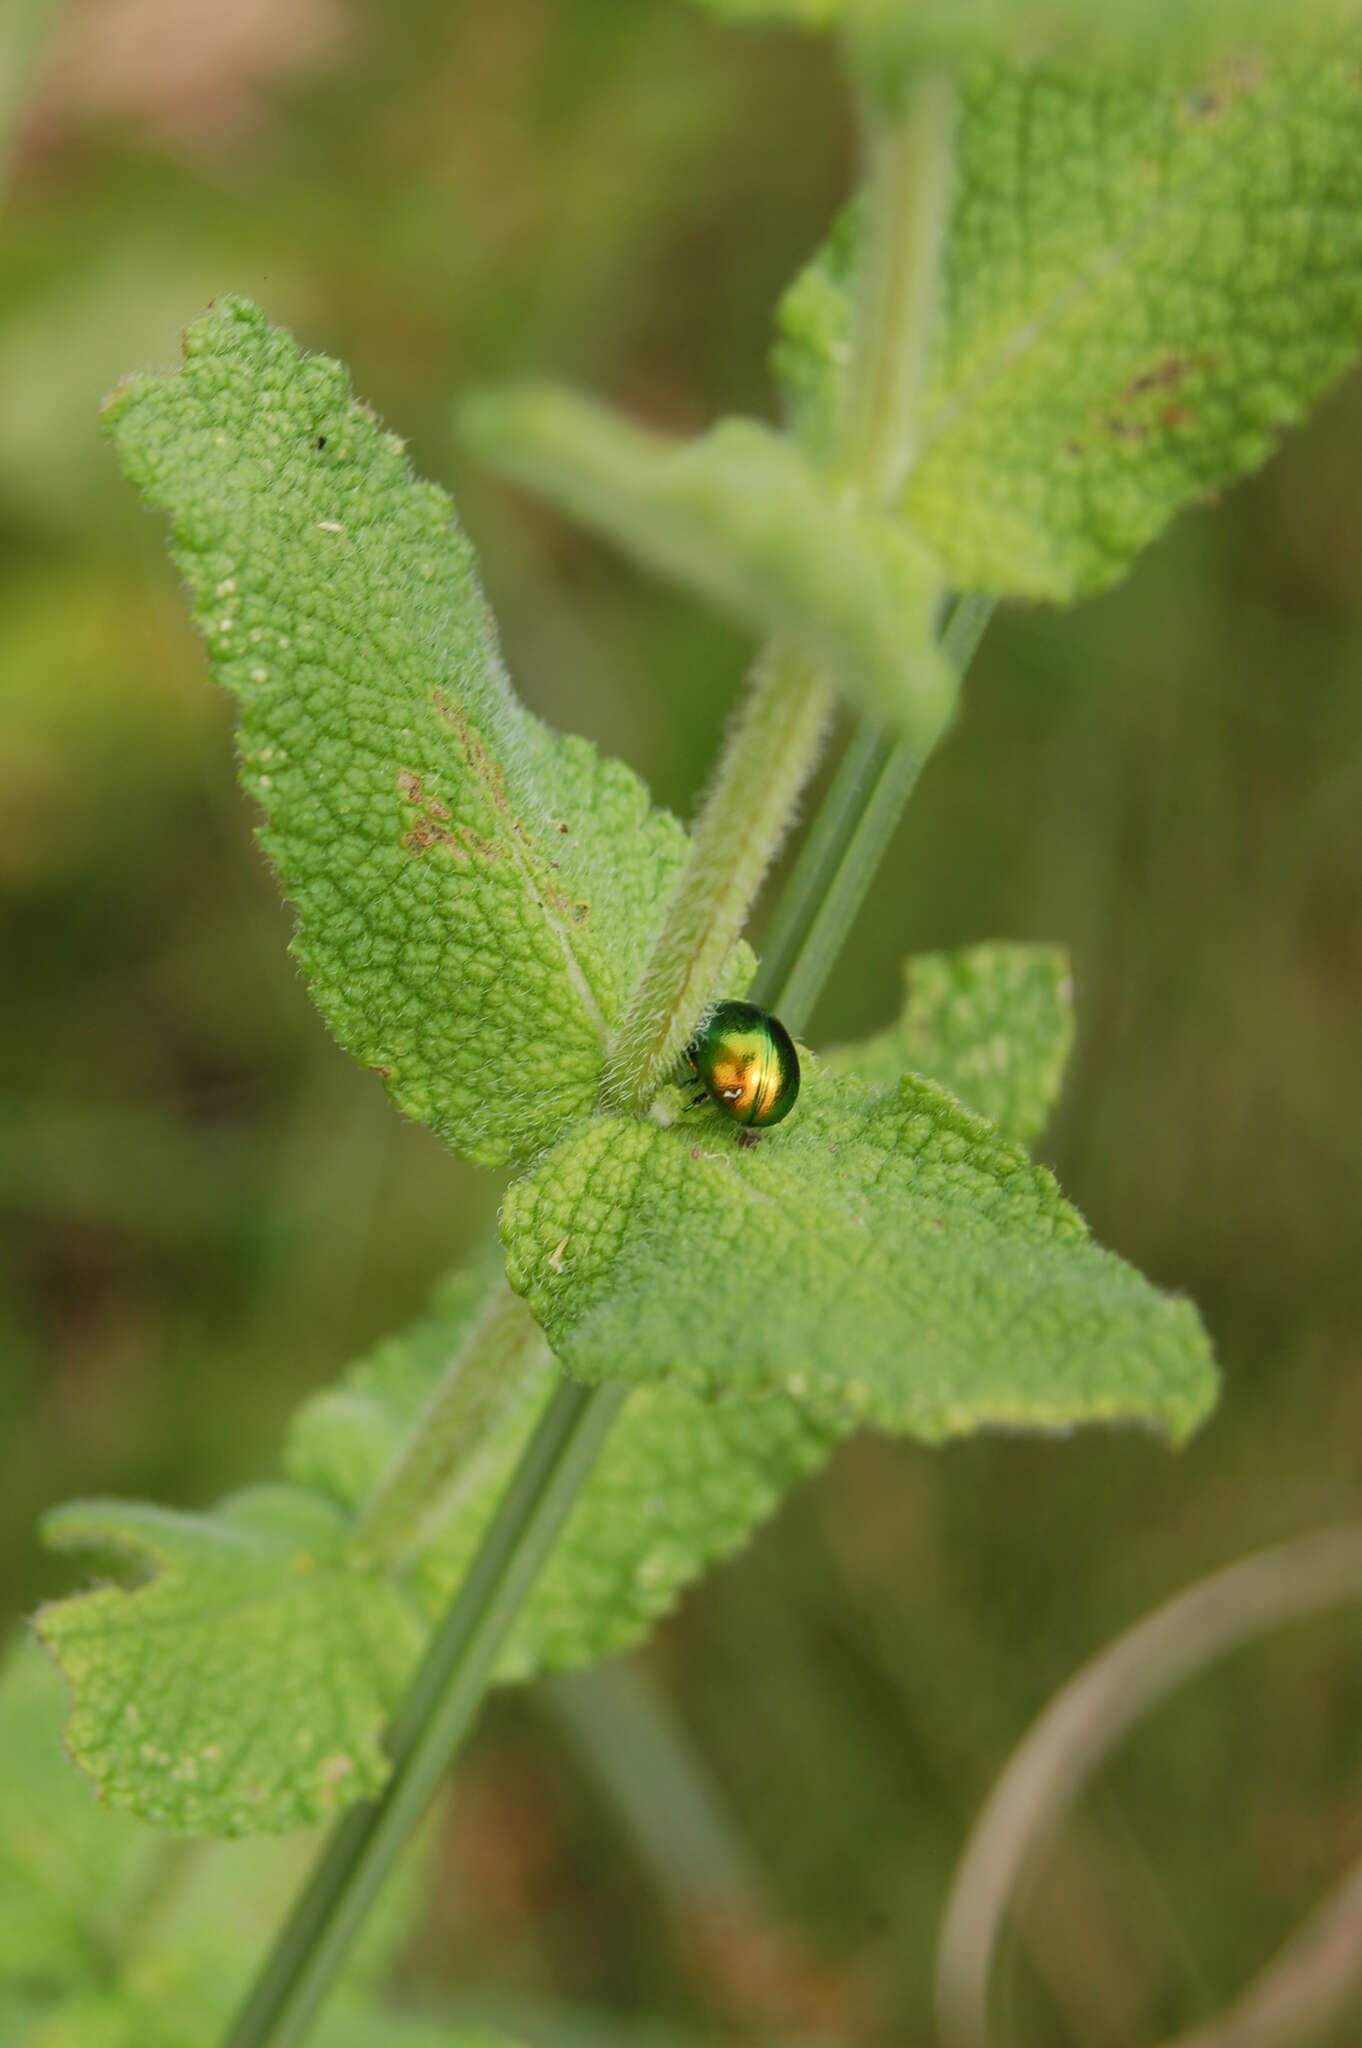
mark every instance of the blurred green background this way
{"type": "Point", "coordinates": [207, 1210]}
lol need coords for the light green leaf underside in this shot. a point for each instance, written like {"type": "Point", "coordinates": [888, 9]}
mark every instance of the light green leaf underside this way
{"type": "Point", "coordinates": [473, 893]}
{"type": "Point", "coordinates": [243, 1687]}
{"type": "Point", "coordinates": [883, 1256]}
{"type": "Point", "coordinates": [679, 1484]}
{"type": "Point", "coordinates": [113, 1936]}
{"type": "Point", "coordinates": [744, 519]}
{"type": "Point", "coordinates": [1144, 287]}
{"type": "Point", "coordinates": [1077, 31]}
{"type": "Point", "coordinates": [992, 1023]}
{"type": "Point", "coordinates": [261, 1674]}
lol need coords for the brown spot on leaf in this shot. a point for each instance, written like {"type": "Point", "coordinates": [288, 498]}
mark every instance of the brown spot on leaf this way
{"type": "Point", "coordinates": [486, 849]}
{"type": "Point", "coordinates": [425, 835]}
{"type": "Point", "coordinates": [1169, 372]}
{"type": "Point", "coordinates": [410, 786]}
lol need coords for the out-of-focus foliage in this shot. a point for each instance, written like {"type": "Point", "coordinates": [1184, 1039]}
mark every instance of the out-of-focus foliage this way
{"type": "Point", "coordinates": [1118, 34]}
{"type": "Point", "coordinates": [116, 1935]}
{"type": "Point", "coordinates": [741, 516]}
{"type": "Point", "coordinates": [208, 1211]}
{"type": "Point", "coordinates": [1143, 288]}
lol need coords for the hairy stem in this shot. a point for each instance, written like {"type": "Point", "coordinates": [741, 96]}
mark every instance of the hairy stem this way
{"type": "Point", "coordinates": [764, 767]}
{"type": "Point", "coordinates": [909, 161]}
{"type": "Point", "coordinates": [485, 1378]}
{"type": "Point", "coordinates": [765, 764]}
{"type": "Point", "coordinates": [880, 776]}
{"type": "Point", "coordinates": [773, 747]}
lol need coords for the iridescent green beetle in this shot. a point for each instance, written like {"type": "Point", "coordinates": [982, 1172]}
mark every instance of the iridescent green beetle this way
{"type": "Point", "coordinates": [746, 1060]}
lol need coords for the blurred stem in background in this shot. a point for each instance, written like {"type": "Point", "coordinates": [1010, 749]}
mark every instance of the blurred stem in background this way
{"type": "Point", "coordinates": [24, 29]}
{"type": "Point", "coordinates": [1320, 1969]}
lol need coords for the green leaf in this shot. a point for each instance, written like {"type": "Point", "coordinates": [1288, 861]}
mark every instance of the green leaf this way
{"type": "Point", "coordinates": [60, 1857]}
{"type": "Point", "coordinates": [114, 1936]}
{"type": "Point", "coordinates": [882, 1256]}
{"type": "Point", "coordinates": [474, 893]}
{"type": "Point", "coordinates": [1144, 287]}
{"type": "Point", "coordinates": [993, 1023]}
{"type": "Point", "coordinates": [679, 1484]}
{"type": "Point", "coordinates": [743, 518]}
{"type": "Point", "coordinates": [244, 1686]}
{"type": "Point", "coordinates": [683, 1479]}
{"type": "Point", "coordinates": [1074, 31]}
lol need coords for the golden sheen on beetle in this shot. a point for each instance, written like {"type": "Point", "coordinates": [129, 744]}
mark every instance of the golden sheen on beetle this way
{"type": "Point", "coordinates": [747, 1062]}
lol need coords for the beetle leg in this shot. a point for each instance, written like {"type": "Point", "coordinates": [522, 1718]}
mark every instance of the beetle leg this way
{"type": "Point", "coordinates": [748, 1140]}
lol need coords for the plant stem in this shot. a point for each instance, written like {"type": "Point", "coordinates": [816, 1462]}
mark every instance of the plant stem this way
{"type": "Point", "coordinates": [439, 1704]}
{"type": "Point", "coordinates": [22, 39]}
{"type": "Point", "coordinates": [909, 166]}
{"type": "Point", "coordinates": [486, 1376]}
{"type": "Point", "coordinates": [821, 905]}
{"type": "Point", "coordinates": [819, 858]}
{"type": "Point", "coordinates": [764, 765]}
{"type": "Point", "coordinates": [772, 749]}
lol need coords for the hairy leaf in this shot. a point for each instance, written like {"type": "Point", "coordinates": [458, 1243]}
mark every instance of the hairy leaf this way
{"type": "Point", "coordinates": [113, 1936]}
{"type": "Point", "coordinates": [882, 1256]}
{"type": "Point", "coordinates": [1144, 286]}
{"type": "Point", "coordinates": [681, 1482]}
{"type": "Point", "coordinates": [742, 517]}
{"type": "Point", "coordinates": [244, 1687]}
{"type": "Point", "coordinates": [993, 1023]}
{"type": "Point", "coordinates": [473, 892]}
{"type": "Point", "coordinates": [1075, 31]}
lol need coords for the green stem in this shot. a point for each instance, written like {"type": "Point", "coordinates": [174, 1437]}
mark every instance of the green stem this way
{"type": "Point", "coordinates": [819, 858]}
{"type": "Point", "coordinates": [881, 775]}
{"type": "Point", "coordinates": [438, 1706]}
{"type": "Point", "coordinates": [909, 169]}
{"type": "Point", "coordinates": [771, 751]}
{"type": "Point", "coordinates": [764, 767]}
{"type": "Point", "coordinates": [765, 764]}
{"type": "Point", "coordinates": [23, 37]}
{"type": "Point", "coordinates": [488, 1375]}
